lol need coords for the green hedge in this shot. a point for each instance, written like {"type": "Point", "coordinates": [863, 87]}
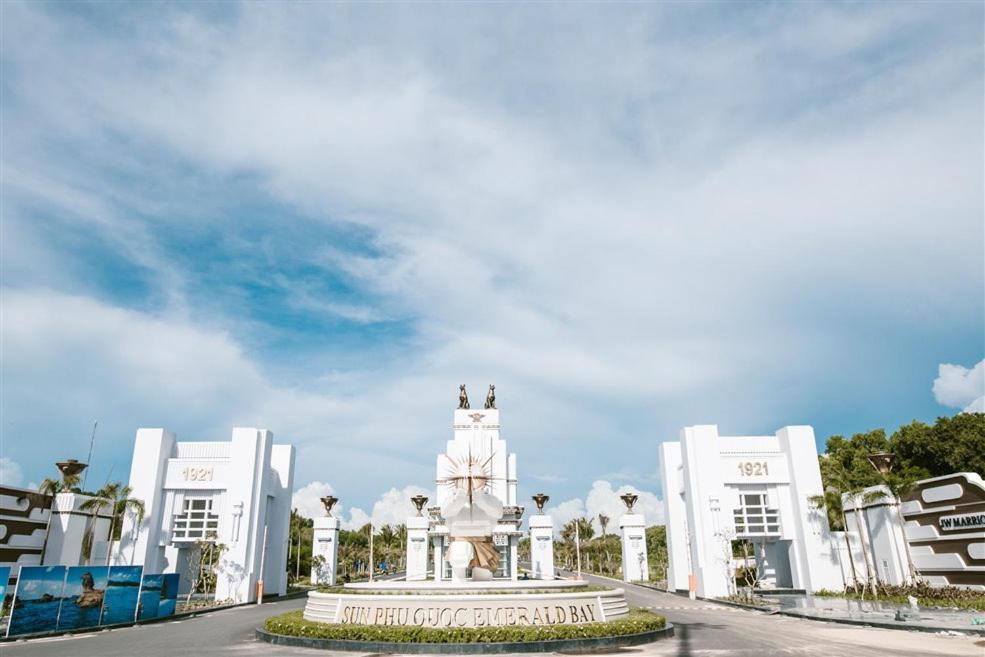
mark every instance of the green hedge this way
{"type": "Point", "coordinates": [948, 597]}
{"type": "Point", "coordinates": [292, 624]}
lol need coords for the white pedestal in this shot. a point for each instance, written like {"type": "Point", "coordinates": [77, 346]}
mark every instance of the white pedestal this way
{"type": "Point", "coordinates": [460, 554]}
{"type": "Point", "coordinates": [542, 546]}
{"type": "Point", "coordinates": [326, 545]}
{"type": "Point", "coordinates": [634, 565]}
{"type": "Point", "coordinates": [417, 548]}
{"type": "Point", "coordinates": [438, 543]}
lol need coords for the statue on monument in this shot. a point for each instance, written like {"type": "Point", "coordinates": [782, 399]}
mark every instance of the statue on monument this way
{"type": "Point", "coordinates": [463, 397]}
{"type": "Point", "coordinates": [491, 397]}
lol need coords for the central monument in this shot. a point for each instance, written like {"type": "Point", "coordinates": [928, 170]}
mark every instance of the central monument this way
{"type": "Point", "coordinates": [474, 529]}
{"type": "Point", "coordinates": [475, 525]}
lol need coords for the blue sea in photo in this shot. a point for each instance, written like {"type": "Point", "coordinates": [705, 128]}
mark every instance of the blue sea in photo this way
{"type": "Point", "coordinates": [72, 615]}
{"type": "Point", "coordinates": [150, 597]}
{"type": "Point", "coordinates": [169, 595]}
{"type": "Point", "coordinates": [120, 603]}
{"type": "Point", "coordinates": [37, 600]}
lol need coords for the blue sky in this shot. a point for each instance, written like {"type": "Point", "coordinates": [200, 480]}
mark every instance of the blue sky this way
{"type": "Point", "coordinates": [321, 218]}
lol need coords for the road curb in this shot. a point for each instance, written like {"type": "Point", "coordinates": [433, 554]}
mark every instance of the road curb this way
{"type": "Point", "coordinates": [592, 644]}
{"type": "Point", "coordinates": [885, 625]}
{"type": "Point", "coordinates": [147, 621]}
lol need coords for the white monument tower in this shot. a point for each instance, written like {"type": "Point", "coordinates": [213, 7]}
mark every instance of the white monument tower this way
{"type": "Point", "coordinates": [633, 526]}
{"type": "Point", "coordinates": [476, 497]}
{"type": "Point", "coordinates": [541, 540]}
{"type": "Point", "coordinates": [326, 544]}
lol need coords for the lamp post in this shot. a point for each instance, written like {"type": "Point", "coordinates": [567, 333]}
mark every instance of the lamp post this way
{"type": "Point", "coordinates": [419, 501]}
{"type": "Point", "coordinates": [578, 545]}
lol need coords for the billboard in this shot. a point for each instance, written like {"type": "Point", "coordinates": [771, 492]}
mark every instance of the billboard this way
{"type": "Point", "coordinates": [150, 597]}
{"type": "Point", "coordinates": [169, 595]}
{"type": "Point", "coordinates": [37, 600]}
{"type": "Point", "coordinates": [82, 598]}
{"type": "Point", "coordinates": [122, 592]}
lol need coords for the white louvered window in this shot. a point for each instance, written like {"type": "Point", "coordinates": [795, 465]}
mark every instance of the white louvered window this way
{"type": "Point", "coordinates": [196, 521]}
{"type": "Point", "coordinates": [755, 517]}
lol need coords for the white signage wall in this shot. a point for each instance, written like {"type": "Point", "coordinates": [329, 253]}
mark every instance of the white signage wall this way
{"type": "Point", "coordinates": [757, 488]}
{"type": "Point", "coordinates": [238, 491]}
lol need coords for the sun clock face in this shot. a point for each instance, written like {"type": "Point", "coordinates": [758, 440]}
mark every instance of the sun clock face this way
{"type": "Point", "coordinates": [470, 473]}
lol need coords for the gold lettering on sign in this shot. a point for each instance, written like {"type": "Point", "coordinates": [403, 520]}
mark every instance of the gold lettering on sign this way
{"type": "Point", "coordinates": [510, 615]}
{"type": "Point", "coordinates": [753, 469]}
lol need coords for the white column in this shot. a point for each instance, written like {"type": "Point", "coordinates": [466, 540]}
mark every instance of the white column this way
{"type": "Point", "coordinates": [151, 450]}
{"type": "Point", "coordinates": [813, 563]}
{"type": "Point", "coordinates": [634, 565]}
{"type": "Point", "coordinates": [514, 557]}
{"type": "Point", "coordinates": [325, 539]}
{"type": "Point", "coordinates": [438, 540]}
{"type": "Point", "coordinates": [417, 548]}
{"type": "Point", "coordinates": [542, 546]}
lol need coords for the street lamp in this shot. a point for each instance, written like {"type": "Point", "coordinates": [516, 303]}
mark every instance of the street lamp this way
{"type": "Point", "coordinates": [70, 468]}
{"type": "Point", "coordinates": [419, 501]}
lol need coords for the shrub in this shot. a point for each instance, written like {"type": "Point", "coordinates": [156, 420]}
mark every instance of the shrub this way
{"type": "Point", "coordinates": [926, 595]}
{"type": "Point", "coordinates": [293, 624]}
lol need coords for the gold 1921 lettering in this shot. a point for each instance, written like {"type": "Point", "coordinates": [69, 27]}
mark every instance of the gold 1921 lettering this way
{"type": "Point", "coordinates": [750, 469]}
{"type": "Point", "coordinates": [197, 474]}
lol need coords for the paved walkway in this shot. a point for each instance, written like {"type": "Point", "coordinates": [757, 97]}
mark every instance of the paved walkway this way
{"type": "Point", "coordinates": [876, 612]}
{"type": "Point", "coordinates": [703, 630]}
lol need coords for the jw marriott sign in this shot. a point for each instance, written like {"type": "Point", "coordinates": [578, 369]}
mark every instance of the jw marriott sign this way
{"type": "Point", "coordinates": [963, 521]}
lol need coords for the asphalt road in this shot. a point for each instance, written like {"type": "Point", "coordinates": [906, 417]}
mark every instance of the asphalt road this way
{"type": "Point", "coordinates": [703, 629]}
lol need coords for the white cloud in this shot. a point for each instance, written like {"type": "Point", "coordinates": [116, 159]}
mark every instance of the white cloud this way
{"type": "Point", "coordinates": [307, 499]}
{"type": "Point", "coordinates": [977, 406]}
{"type": "Point", "coordinates": [549, 478]}
{"type": "Point", "coordinates": [961, 387]}
{"type": "Point", "coordinates": [10, 472]}
{"type": "Point", "coordinates": [392, 508]}
{"type": "Point", "coordinates": [634, 238]}
{"type": "Point", "coordinates": [602, 498]}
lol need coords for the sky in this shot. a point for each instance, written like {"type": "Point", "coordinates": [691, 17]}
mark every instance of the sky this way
{"type": "Point", "coordinates": [320, 219]}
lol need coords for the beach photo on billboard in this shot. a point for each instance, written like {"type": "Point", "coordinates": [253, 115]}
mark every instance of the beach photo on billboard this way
{"type": "Point", "coordinates": [169, 594]}
{"type": "Point", "coordinates": [82, 598]}
{"type": "Point", "coordinates": [37, 599]}
{"type": "Point", "coordinates": [122, 591]}
{"type": "Point", "coordinates": [149, 603]}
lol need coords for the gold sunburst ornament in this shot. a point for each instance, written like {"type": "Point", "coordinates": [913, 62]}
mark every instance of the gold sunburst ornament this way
{"type": "Point", "coordinates": [468, 473]}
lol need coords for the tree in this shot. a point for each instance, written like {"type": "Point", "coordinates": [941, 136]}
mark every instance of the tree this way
{"type": "Point", "coordinates": [120, 504]}
{"type": "Point", "coordinates": [202, 559]}
{"type": "Point", "coordinates": [952, 444]}
{"type": "Point", "coordinates": [603, 523]}
{"type": "Point", "coordinates": [831, 502]}
{"type": "Point", "coordinates": [584, 529]}
{"type": "Point", "coordinates": [94, 504]}
{"type": "Point", "coordinates": [50, 488]}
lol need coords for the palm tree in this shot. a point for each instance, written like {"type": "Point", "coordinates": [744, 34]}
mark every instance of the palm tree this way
{"type": "Point", "coordinates": [122, 504]}
{"type": "Point", "coordinates": [604, 522]}
{"type": "Point", "coordinates": [831, 502]}
{"type": "Point", "coordinates": [117, 497]}
{"type": "Point", "coordinates": [50, 488]}
{"type": "Point", "coordinates": [95, 503]}
{"type": "Point", "coordinates": [896, 488]}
